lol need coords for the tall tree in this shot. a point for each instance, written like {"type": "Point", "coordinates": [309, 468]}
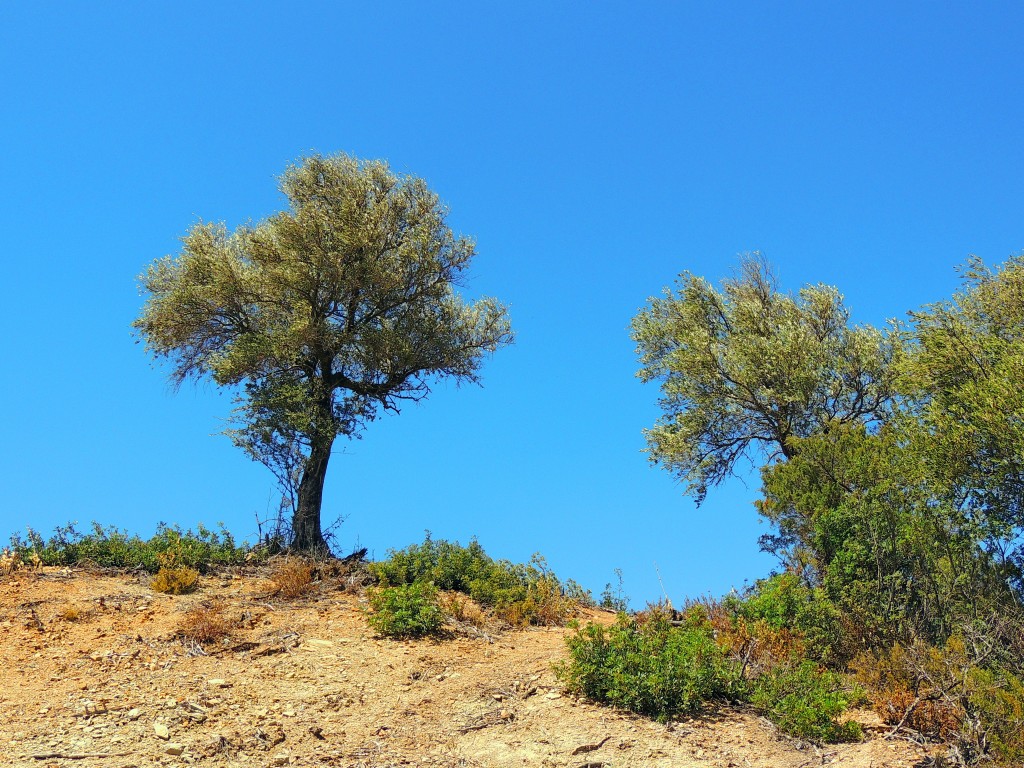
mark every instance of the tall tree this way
{"type": "Point", "coordinates": [321, 315]}
{"type": "Point", "coordinates": [747, 370]}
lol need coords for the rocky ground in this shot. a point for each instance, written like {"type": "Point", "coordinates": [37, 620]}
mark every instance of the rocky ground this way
{"type": "Point", "coordinates": [96, 673]}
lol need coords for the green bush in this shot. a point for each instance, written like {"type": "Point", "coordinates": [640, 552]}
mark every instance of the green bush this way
{"type": "Point", "coordinates": [649, 666]}
{"type": "Point", "coordinates": [521, 594]}
{"type": "Point", "coordinates": [804, 701]}
{"type": "Point", "coordinates": [407, 610]}
{"type": "Point", "coordinates": [785, 602]}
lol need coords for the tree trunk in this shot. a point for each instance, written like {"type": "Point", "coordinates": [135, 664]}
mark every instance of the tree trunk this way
{"type": "Point", "coordinates": [307, 537]}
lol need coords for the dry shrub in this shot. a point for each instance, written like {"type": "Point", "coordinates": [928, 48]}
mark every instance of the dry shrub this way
{"type": "Point", "coordinates": [292, 577]}
{"type": "Point", "coordinates": [462, 608]}
{"type": "Point", "coordinates": [175, 580]}
{"type": "Point", "coordinates": [205, 623]}
{"type": "Point", "coordinates": [544, 604]}
{"type": "Point", "coordinates": [906, 688]}
{"type": "Point", "coordinates": [70, 613]}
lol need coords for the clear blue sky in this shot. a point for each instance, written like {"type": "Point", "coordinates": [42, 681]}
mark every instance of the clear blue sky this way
{"type": "Point", "coordinates": [594, 150]}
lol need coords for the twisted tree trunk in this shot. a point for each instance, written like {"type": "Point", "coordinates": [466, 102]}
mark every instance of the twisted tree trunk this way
{"type": "Point", "coordinates": [307, 536]}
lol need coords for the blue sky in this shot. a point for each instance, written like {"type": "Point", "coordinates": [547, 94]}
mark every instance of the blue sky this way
{"type": "Point", "coordinates": [594, 151]}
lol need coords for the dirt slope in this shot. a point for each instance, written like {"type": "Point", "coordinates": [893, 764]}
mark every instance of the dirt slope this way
{"type": "Point", "coordinates": [305, 682]}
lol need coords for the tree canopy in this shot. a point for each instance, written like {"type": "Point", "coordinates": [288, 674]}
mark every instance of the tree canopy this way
{"type": "Point", "coordinates": [892, 460]}
{"type": "Point", "coordinates": [746, 370]}
{"type": "Point", "coordinates": [321, 315]}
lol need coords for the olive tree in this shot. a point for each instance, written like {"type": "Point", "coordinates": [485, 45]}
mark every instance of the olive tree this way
{"type": "Point", "coordinates": [748, 370]}
{"type": "Point", "coordinates": [321, 316]}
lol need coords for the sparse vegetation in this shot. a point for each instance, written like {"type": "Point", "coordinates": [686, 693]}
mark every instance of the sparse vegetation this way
{"type": "Point", "coordinates": [110, 547]}
{"type": "Point", "coordinates": [660, 667]}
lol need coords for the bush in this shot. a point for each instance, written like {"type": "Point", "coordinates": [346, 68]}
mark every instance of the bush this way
{"type": "Point", "coordinates": [205, 624]}
{"type": "Point", "coordinates": [519, 594]}
{"type": "Point", "coordinates": [950, 693]}
{"type": "Point", "coordinates": [176, 580]}
{"type": "Point", "coordinates": [292, 578]}
{"type": "Point", "coordinates": [404, 611]}
{"type": "Point", "coordinates": [784, 602]}
{"type": "Point", "coordinates": [649, 666]}
{"type": "Point", "coordinates": [804, 701]}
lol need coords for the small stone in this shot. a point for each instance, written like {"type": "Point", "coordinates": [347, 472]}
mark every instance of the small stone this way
{"type": "Point", "coordinates": [174, 749]}
{"type": "Point", "coordinates": [161, 731]}
{"type": "Point", "coordinates": [134, 714]}
{"type": "Point", "coordinates": [218, 682]}
{"type": "Point", "coordinates": [281, 758]}
{"type": "Point", "coordinates": [288, 713]}
{"type": "Point", "coordinates": [552, 695]}
{"type": "Point", "coordinates": [171, 703]}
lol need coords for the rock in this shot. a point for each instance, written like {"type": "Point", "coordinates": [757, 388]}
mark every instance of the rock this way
{"type": "Point", "coordinates": [282, 758]}
{"type": "Point", "coordinates": [161, 731]}
{"type": "Point", "coordinates": [174, 749]}
{"type": "Point", "coordinates": [552, 695]}
{"type": "Point", "coordinates": [218, 682]}
{"type": "Point", "coordinates": [134, 714]}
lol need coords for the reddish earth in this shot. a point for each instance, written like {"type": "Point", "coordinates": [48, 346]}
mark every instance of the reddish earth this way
{"type": "Point", "coordinates": [97, 674]}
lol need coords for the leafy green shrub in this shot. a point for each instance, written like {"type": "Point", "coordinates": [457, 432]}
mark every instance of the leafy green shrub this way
{"type": "Point", "coordinates": [785, 602]}
{"type": "Point", "coordinates": [649, 666]}
{"type": "Point", "coordinates": [520, 594]}
{"type": "Point", "coordinates": [804, 701]}
{"type": "Point", "coordinates": [406, 610]}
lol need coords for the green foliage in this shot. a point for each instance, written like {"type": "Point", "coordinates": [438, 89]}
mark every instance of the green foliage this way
{"type": "Point", "coordinates": [109, 547]}
{"type": "Point", "coordinates": [804, 701]}
{"type": "Point", "coordinates": [745, 370]}
{"type": "Point", "coordinates": [522, 594]}
{"type": "Point", "coordinates": [649, 666]}
{"type": "Point", "coordinates": [321, 315]}
{"type": "Point", "coordinates": [656, 667]}
{"type": "Point", "coordinates": [996, 701]}
{"type": "Point", "coordinates": [786, 602]}
{"type": "Point", "coordinates": [406, 610]}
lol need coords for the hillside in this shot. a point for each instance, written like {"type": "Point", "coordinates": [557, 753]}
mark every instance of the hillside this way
{"type": "Point", "coordinates": [98, 674]}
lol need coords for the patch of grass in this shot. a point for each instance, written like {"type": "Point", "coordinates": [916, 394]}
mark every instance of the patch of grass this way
{"type": "Point", "coordinates": [462, 608]}
{"type": "Point", "coordinates": [70, 613]}
{"type": "Point", "coordinates": [405, 611]}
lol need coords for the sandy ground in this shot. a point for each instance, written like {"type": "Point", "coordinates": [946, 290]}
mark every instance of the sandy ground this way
{"type": "Point", "coordinates": [96, 673]}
